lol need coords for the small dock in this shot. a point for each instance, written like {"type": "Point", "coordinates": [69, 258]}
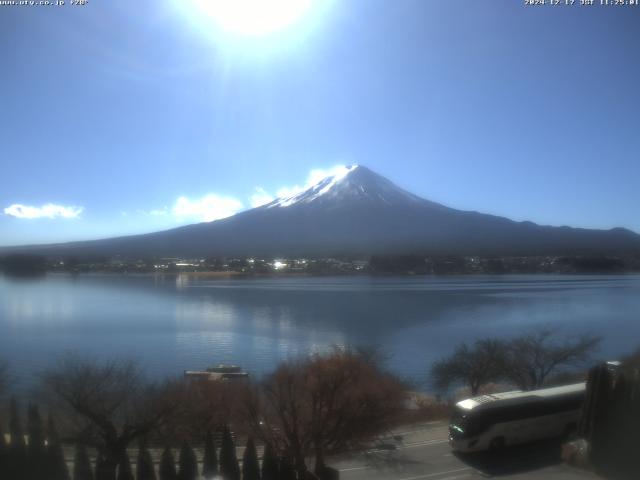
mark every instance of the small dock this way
{"type": "Point", "coordinates": [219, 372]}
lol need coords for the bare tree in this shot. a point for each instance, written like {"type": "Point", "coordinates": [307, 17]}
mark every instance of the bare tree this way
{"type": "Point", "coordinates": [472, 366]}
{"type": "Point", "coordinates": [109, 404]}
{"type": "Point", "coordinates": [203, 406]}
{"type": "Point", "coordinates": [533, 357]}
{"type": "Point", "coordinates": [324, 404]}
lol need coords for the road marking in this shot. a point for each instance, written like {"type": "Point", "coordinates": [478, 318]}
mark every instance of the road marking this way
{"type": "Point", "coordinates": [422, 429]}
{"type": "Point", "coordinates": [420, 476]}
{"type": "Point", "coordinates": [430, 475]}
{"type": "Point", "coordinates": [445, 439]}
{"type": "Point", "coordinates": [457, 476]}
{"type": "Point", "coordinates": [352, 469]}
{"type": "Point", "coordinates": [437, 441]}
{"type": "Point", "coordinates": [424, 444]}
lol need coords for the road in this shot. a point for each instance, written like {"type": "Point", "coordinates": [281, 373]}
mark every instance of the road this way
{"type": "Point", "coordinates": [423, 453]}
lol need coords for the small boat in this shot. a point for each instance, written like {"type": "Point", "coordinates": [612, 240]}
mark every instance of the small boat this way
{"type": "Point", "coordinates": [218, 372]}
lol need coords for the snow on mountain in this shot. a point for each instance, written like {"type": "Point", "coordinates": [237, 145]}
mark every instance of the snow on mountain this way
{"type": "Point", "coordinates": [314, 191]}
{"type": "Point", "coordinates": [350, 183]}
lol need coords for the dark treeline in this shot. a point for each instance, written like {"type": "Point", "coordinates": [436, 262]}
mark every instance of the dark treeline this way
{"type": "Point", "coordinates": [529, 361]}
{"type": "Point", "coordinates": [304, 410]}
{"type": "Point", "coordinates": [24, 265]}
{"type": "Point", "coordinates": [452, 264]}
{"type": "Point", "coordinates": [405, 264]}
{"type": "Point", "coordinates": [43, 458]}
{"type": "Point", "coordinates": [114, 424]}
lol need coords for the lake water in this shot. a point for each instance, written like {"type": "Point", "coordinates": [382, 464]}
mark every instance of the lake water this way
{"type": "Point", "coordinates": [175, 323]}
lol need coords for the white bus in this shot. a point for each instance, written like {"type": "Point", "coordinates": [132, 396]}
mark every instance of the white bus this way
{"type": "Point", "coordinates": [491, 422]}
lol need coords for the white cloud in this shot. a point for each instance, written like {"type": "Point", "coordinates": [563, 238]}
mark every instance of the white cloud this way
{"type": "Point", "coordinates": [284, 192]}
{"type": "Point", "coordinates": [206, 209]}
{"type": "Point", "coordinates": [159, 212]}
{"type": "Point", "coordinates": [315, 176]}
{"type": "Point", "coordinates": [50, 210]}
{"type": "Point", "coordinates": [260, 197]}
{"type": "Point", "coordinates": [318, 174]}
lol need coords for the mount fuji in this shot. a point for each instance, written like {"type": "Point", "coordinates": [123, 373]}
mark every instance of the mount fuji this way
{"type": "Point", "coordinates": [356, 213]}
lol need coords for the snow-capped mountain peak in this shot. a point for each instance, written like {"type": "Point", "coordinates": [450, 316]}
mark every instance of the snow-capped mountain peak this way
{"type": "Point", "coordinates": [352, 183]}
{"type": "Point", "coordinates": [315, 191]}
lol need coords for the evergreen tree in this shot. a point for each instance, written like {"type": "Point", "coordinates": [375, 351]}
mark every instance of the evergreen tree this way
{"type": "Point", "coordinates": [56, 465]}
{"type": "Point", "coordinates": [229, 468]}
{"type": "Point", "coordinates": [144, 469]}
{"type": "Point", "coordinates": [210, 460]}
{"type": "Point", "coordinates": [250, 467]}
{"type": "Point", "coordinates": [36, 450]}
{"type": "Point", "coordinates": [17, 452]}
{"type": "Point", "coordinates": [124, 468]}
{"type": "Point", "coordinates": [103, 470]}
{"type": "Point", "coordinates": [621, 440]}
{"type": "Point", "coordinates": [167, 466]}
{"type": "Point", "coordinates": [188, 463]}
{"type": "Point", "coordinates": [4, 455]}
{"type": "Point", "coordinates": [81, 464]}
{"type": "Point", "coordinates": [287, 472]}
{"type": "Point", "coordinates": [269, 464]}
{"type": "Point", "coordinates": [600, 432]}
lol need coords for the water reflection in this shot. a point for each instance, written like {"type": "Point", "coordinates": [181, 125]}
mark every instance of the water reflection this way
{"type": "Point", "coordinates": [172, 323]}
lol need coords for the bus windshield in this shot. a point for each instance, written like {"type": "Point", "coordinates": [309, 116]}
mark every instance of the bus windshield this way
{"type": "Point", "coordinates": [465, 424]}
{"type": "Point", "coordinates": [456, 424]}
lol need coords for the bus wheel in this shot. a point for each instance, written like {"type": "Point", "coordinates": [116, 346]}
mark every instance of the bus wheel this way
{"type": "Point", "coordinates": [496, 445]}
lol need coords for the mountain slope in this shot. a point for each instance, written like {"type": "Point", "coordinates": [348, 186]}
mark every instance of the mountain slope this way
{"type": "Point", "coordinates": [357, 213]}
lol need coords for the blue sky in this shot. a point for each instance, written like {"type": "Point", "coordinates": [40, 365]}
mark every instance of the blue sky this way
{"type": "Point", "coordinates": [123, 117]}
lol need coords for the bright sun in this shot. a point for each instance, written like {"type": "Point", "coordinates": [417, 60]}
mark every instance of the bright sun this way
{"type": "Point", "coordinates": [253, 17]}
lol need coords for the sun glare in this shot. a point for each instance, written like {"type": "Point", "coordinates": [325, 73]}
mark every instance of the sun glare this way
{"type": "Point", "coordinates": [253, 17]}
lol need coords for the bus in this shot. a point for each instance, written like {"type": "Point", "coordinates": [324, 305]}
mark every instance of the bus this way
{"type": "Point", "coordinates": [491, 422]}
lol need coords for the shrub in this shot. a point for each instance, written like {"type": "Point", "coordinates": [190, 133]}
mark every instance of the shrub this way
{"type": "Point", "coordinates": [144, 468]}
{"type": "Point", "coordinates": [229, 468]}
{"type": "Point", "coordinates": [82, 464]}
{"type": "Point", "coordinates": [188, 463]}
{"type": "Point", "coordinates": [210, 460]}
{"type": "Point", "coordinates": [124, 468]}
{"type": "Point", "coordinates": [167, 466]}
{"type": "Point", "coordinates": [250, 467]}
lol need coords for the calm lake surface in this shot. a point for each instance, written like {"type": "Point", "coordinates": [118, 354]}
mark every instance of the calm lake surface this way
{"type": "Point", "coordinates": [175, 323]}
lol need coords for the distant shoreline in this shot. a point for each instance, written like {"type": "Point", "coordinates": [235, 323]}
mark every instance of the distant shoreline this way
{"type": "Point", "coordinates": [376, 265]}
{"type": "Point", "coordinates": [246, 276]}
